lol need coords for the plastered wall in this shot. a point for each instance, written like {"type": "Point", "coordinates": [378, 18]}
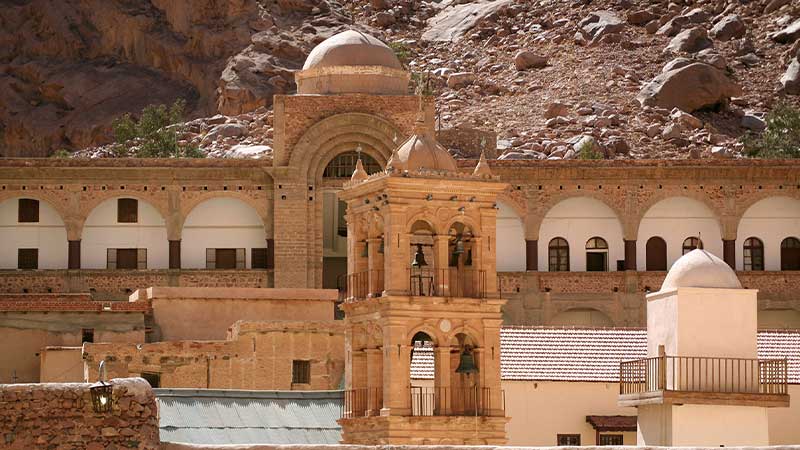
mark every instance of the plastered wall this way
{"type": "Point", "coordinates": [48, 235]}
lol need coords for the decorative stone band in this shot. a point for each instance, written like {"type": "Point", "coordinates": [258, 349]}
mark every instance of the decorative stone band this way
{"type": "Point", "coordinates": [352, 79]}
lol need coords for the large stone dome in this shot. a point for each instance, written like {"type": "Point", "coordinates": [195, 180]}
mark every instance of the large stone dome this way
{"type": "Point", "coordinates": [352, 48]}
{"type": "Point", "coordinates": [700, 269]}
{"type": "Point", "coordinates": [352, 62]}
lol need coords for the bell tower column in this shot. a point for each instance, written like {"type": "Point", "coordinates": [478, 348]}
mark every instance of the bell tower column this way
{"type": "Point", "coordinates": [396, 251]}
{"type": "Point", "coordinates": [396, 369]}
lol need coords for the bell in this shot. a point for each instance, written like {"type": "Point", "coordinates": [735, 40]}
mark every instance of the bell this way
{"type": "Point", "coordinates": [459, 247]}
{"type": "Point", "coordinates": [467, 363]}
{"type": "Point", "coordinates": [365, 252]}
{"type": "Point", "coordinates": [419, 258]}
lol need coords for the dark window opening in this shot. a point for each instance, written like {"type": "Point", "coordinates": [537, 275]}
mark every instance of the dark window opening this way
{"type": "Point", "coordinates": [341, 222]}
{"type": "Point", "coordinates": [656, 254]}
{"type": "Point", "coordinates": [225, 258]}
{"type": "Point", "coordinates": [753, 254]}
{"type": "Point", "coordinates": [87, 335]}
{"type": "Point", "coordinates": [569, 439]}
{"type": "Point", "coordinates": [558, 252]}
{"type": "Point", "coordinates": [343, 165]}
{"type": "Point", "coordinates": [258, 258]}
{"type": "Point", "coordinates": [790, 254]}
{"type": "Point", "coordinates": [28, 258]}
{"type": "Point", "coordinates": [610, 439]}
{"type": "Point", "coordinates": [127, 210]}
{"type": "Point", "coordinates": [301, 371]}
{"type": "Point", "coordinates": [596, 255]}
{"type": "Point", "coordinates": [153, 378]}
{"type": "Point", "coordinates": [691, 243]}
{"type": "Point", "coordinates": [126, 258]}
{"type": "Point", "coordinates": [28, 210]}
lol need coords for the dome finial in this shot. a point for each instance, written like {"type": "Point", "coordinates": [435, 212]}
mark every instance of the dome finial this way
{"type": "Point", "coordinates": [419, 123]}
{"type": "Point", "coordinates": [359, 174]}
{"type": "Point", "coordinates": [482, 169]}
{"type": "Point", "coordinates": [394, 163]}
{"type": "Point", "coordinates": [699, 241]}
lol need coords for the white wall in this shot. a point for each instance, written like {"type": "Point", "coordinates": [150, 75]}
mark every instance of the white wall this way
{"type": "Point", "coordinates": [674, 219]}
{"type": "Point", "coordinates": [510, 240]}
{"type": "Point", "coordinates": [221, 222]}
{"type": "Point", "coordinates": [771, 220]}
{"type": "Point", "coordinates": [102, 231]}
{"type": "Point", "coordinates": [576, 220]}
{"type": "Point", "coordinates": [48, 235]}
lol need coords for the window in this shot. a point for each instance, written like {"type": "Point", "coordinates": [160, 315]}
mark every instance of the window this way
{"type": "Point", "coordinates": [558, 255]}
{"type": "Point", "coordinates": [28, 210]}
{"type": "Point", "coordinates": [126, 258]}
{"type": "Point", "coordinates": [87, 335]}
{"type": "Point", "coordinates": [610, 439]}
{"type": "Point", "coordinates": [341, 222]}
{"type": "Point", "coordinates": [569, 439]}
{"type": "Point", "coordinates": [28, 258]}
{"type": "Point", "coordinates": [225, 258]}
{"type": "Point", "coordinates": [790, 254]}
{"type": "Point", "coordinates": [153, 378]}
{"type": "Point", "coordinates": [301, 372]}
{"type": "Point", "coordinates": [596, 255]}
{"type": "Point", "coordinates": [127, 210]}
{"type": "Point", "coordinates": [258, 258]}
{"type": "Point", "coordinates": [753, 254]}
{"type": "Point", "coordinates": [656, 254]}
{"type": "Point", "coordinates": [343, 165]}
{"type": "Point", "coordinates": [690, 244]}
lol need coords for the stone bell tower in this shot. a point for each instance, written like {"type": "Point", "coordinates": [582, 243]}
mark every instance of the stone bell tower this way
{"type": "Point", "coordinates": [422, 280]}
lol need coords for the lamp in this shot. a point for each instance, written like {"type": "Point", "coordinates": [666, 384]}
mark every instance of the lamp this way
{"type": "Point", "coordinates": [101, 391]}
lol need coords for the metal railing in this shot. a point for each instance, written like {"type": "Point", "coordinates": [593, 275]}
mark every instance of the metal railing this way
{"type": "Point", "coordinates": [449, 401]}
{"type": "Point", "coordinates": [449, 282]}
{"type": "Point", "coordinates": [360, 285]}
{"type": "Point", "coordinates": [362, 402]}
{"type": "Point", "coordinates": [704, 374]}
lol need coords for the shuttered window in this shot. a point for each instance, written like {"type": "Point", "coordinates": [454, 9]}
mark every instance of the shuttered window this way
{"type": "Point", "coordinates": [126, 258]}
{"type": "Point", "coordinates": [28, 258]}
{"type": "Point", "coordinates": [572, 440]}
{"type": "Point", "coordinates": [610, 439]}
{"type": "Point", "coordinates": [225, 258]}
{"type": "Point", "coordinates": [127, 210]}
{"type": "Point", "coordinates": [28, 210]}
{"type": "Point", "coordinates": [301, 372]}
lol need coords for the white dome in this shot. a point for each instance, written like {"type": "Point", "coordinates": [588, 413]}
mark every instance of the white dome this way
{"type": "Point", "coordinates": [352, 48]}
{"type": "Point", "coordinates": [700, 269]}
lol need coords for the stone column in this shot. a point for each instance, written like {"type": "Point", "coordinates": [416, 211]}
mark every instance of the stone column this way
{"type": "Point", "coordinates": [74, 254]}
{"type": "Point", "coordinates": [441, 266]}
{"type": "Point", "coordinates": [397, 257]}
{"type": "Point", "coordinates": [531, 255]}
{"type": "Point", "coordinates": [441, 382]}
{"type": "Point", "coordinates": [396, 371]}
{"type": "Point", "coordinates": [175, 254]}
{"type": "Point", "coordinates": [374, 266]}
{"type": "Point", "coordinates": [270, 253]}
{"type": "Point", "coordinates": [374, 384]}
{"type": "Point", "coordinates": [630, 254]}
{"type": "Point", "coordinates": [729, 252]}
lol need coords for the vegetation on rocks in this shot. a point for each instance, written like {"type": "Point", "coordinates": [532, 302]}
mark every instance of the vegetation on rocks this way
{"type": "Point", "coordinates": [781, 139]}
{"type": "Point", "coordinates": [154, 134]}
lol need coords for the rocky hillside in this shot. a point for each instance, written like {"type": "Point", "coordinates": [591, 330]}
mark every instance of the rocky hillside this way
{"type": "Point", "coordinates": [553, 78]}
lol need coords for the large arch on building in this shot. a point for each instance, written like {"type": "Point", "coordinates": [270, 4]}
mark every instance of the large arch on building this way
{"type": "Point", "coordinates": [102, 231]}
{"type": "Point", "coordinates": [675, 219]}
{"type": "Point", "coordinates": [770, 220]}
{"type": "Point", "coordinates": [510, 239]}
{"type": "Point", "coordinates": [221, 223]}
{"type": "Point", "coordinates": [47, 234]}
{"type": "Point", "coordinates": [577, 219]}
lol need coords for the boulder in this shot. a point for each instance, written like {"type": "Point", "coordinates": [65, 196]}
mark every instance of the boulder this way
{"type": "Point", "coordinates": [753, 122]}
{"type": "Point", "coordinates": [720, 152]}
{"type": "Point", "coordinates": [710, 56]}
{"type": "Point", "coordinates": [673, 26]}
{"type": "Point", "coordinates": [697, 15]}
{"type": "Point", "coordinates": [600, 23]}
{"type": "Point", "coordinates": [454, 22]}
{"type": "Point", "coordinates": [692, 40]}
{"type": "Point", "coordinates": [586, 143]}
{"type": "Point", "coordinates": [640, 17]}
{"type": "Point", "coordinates": [689, 88]}
{"type": "Point", "coordinates": [556, 122]}
{"type": "Point", "coordinates": [527, 60]}
{"type": "Point", "coordinates": [775, 5]}
{"type": "Point", "coordinates": [791, 79]}
{"type": "Point", "coordinates": [460, 79]}
{"type": "Point", "coordinates": [730, 27]}
{"type": "Point", "coordinates": [385, 19]}
{"type": "Point", "coordinates": [788, 34]}
{"type": "Point", "coordinates": [676, 63]}
{"type": "Point", "coordinates": [556, 109]}
{"type": "Point", "coordinates": [685, 120]}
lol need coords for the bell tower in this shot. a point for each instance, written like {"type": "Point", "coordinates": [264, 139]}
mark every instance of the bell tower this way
{"type": "Point", "coordinates": [421, 287]}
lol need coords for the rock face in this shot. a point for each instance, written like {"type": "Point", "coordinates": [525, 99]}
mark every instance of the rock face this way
{"type": "Point", "coordinates": [452, 23]}
{"type": "Point", "coordinates": [692, 40]}
{"type": "Point", "coordinates": [689, 88]}
{"type": "Point", "coordinates": [788, 34]}
{"type": "Point", "coordinates": [730, 27]}
{"type": "Point", "coordinates": [791, 79]}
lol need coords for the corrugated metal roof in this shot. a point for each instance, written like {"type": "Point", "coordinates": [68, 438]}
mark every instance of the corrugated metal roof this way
{"type": "Point", "coordinates": [211, 416]}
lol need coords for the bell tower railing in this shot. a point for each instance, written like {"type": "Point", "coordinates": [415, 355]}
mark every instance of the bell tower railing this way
{"type": "Point", "coordinates": [360, 285]}
{"type": "Point", "coordinates": [449, 282]}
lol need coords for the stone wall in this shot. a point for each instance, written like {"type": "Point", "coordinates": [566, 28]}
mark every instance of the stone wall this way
{"type": "Point", "coordinates": [61, 416]}
{"type": "Point", "coordinates": [174, 446]}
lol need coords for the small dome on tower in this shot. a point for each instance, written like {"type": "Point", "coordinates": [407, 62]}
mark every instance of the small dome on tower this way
{"type": "Point", "coordinates": [423, 151]}
{"type": "Point", "coordinates": [700, 269]}
{"type": "Point", "coordinates": [352, 48]}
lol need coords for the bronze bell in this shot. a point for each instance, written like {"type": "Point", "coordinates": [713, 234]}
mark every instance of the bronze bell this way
{"type": "Point", "coordinates": [459, 246]}
{"type": "Point", "coordinates": [467, 363]}
{"type": "Point", "coordinates": [419, 258]}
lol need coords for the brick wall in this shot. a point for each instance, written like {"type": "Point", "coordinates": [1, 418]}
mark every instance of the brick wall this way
{"type": "Point", "coordinates": [60, 416]}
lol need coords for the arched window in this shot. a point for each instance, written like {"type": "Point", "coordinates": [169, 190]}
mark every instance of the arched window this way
{"type": "Point", "coordinates": [596, 255]}
{"type": "Point", "coordinates": [753, 254]}
{"type": "Point", "coordinates": [690, 244]}
{"type": "Point", "coordinates": [656, 254]}
{"type": "Point", "coordinates": [559, 255]}
{"type": "Point", "coordinates": [343, 165]}
{"type": "Point", "coordinates": [790, 254]}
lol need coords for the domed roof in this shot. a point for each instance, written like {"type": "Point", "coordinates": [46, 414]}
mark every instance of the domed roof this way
{"type": "Point", "coordinates": [423, 151]}
{"type": "Point", "coordinates": [700, 269]}
{"type": "Point", "coordinates": [352, 48]}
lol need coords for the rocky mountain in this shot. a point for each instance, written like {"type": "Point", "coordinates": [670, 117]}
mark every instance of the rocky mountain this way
{"type": "Point", "coordinates": [553, 78]}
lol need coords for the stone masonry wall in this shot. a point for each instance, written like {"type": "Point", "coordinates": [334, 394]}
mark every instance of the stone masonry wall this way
{"type": "Point", "coordinates": [60, 416]}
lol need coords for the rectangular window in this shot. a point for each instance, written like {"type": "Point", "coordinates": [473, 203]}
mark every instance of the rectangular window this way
{"type": "Point", "coordinates": [569, 439]}
{"type": "Point", "coordinates": [87, 335]}
{"type": "Point", "coordinates": [301, 372]}
{"type": "Point", "coordinates": [153, 378]}
{"type": "Point", "coordinates": [610, 439]}
{"type": "Point", "coordinates": [225, 258]}
{"type": "Point", "coordinates": [126, 258]}
{"type": "Point", "coordinates": [127, 210]}
{"type": "Point", "coordinates": [258, 258]}
{"type": "Point", "coordinates": [28, 210]}
{"type": "Point", "coordinates": [28, 258]}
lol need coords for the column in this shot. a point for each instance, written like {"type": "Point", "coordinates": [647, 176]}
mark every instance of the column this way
{"type": "Point", "coordinates": [630, 254]}
{"type": "Point", "coordinates": [441, 265]}
{"type": "Point", "coordinates": [396, 371]}
{"type": "Point", "coordinates": [175, 254]}
{"type": "Point", "coordinates": [442, 372]}
{"type": "Point", "coordinates": [74, 254]}
{"type": "Point", "coordinates": [397, 256]}
{"type": "Point", "coordinates": [374, 396]}
{"type": "Point", "coordinates": [270, 253]}
{"type": "Point", "coordinates": [729, 252]}
{"type": "Point", "coordinates": [531, 255]}
{"type": "Point", "coordinates": [375, 267]}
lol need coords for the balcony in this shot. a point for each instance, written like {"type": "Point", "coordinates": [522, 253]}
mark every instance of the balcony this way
{"type": "Point", "coordinates": [423, 282]}
{"type": "Point", "coordinates": [360, 285]}
{"type": "Point", "coordinates": [704, 380]}
{"type": "Point", "coordinates": [362, 402]}
{"type": "Point", "coordinates": [429, 401]}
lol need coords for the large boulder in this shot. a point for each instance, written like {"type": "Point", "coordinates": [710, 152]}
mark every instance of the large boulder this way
{"type": "Point", "coordinates": [454, 22]}
{"type": "Point", "coordinates": [791, 79]}
{"type": "Point", "coordinates": [692, 40]}
{"type": "Point", "coordinates": [729, 27]}
{"type": "Point", "coordinates": [460, 79]}
{"type": "Point", "coordinates": [600, 23]}
{"type": "Point", "coordinates": [526, 60]}
{"type": "Point", "coordinates": [689, 88]}
{"type": "Point", "coordinates": [788, 34]}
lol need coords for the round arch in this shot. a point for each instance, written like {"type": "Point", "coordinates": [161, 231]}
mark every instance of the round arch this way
{"type": "Point", "coordinates": [262, 207]}
{"type": "Point", "coordinates": [510, 245]}
{"type": "Point", "coordinates": [770, 219]}
{"type": "Point", "coordinates": [48, 235]}
{"type": "Point", "coordinates": [644, 207]}
{"type": "Point", "coordinates": [534, 219]}
{"type": "Point", "coordinates": [674, 219]}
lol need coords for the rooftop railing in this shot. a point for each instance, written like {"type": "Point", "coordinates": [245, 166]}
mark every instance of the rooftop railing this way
{"type": "Point", "coordinates": [449, 282]}
{"type": "Point", "coordinates": [455, 401]}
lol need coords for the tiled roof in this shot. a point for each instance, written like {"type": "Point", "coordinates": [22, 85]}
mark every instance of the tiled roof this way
{"type": "Point", "coordinates": [612, 423]}
{"type": "Point", "coordinates": [592, 354]}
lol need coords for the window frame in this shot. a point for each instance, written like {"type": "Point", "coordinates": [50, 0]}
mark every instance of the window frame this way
{"type": "Point", "coordinates": [694, 243]}
{"type": "Point", "coordinates": [747, 254]}
{"type": "Point", "coordinates": [610, 436]}
{"type": "Point", "coordinates": [301, 371]}
{"type": "Point", "coordinates": [259, 258]}
{"type": "Point", "coordinates": [597, 245]}
{"type": "Point", "coordinates": [28, 210]}
{"type": "Point", "coordinates": [648, 255]}
{"type": "Point", "coordinates": [344, 164]}
{"type": "Point", "coordinates": [785, 265]}
{"type": "Point", "coordinates": [34, 252]}
{"type": "Point", "coordinates": [560, 252]}
{"type": "Point", "coordinates": [124, 213]}
{"type": "Point", "coordinates": [565, 436]}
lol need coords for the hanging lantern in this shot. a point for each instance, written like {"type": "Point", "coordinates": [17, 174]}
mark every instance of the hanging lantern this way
{"type": "Point", "coordinates": [419, 258]}
{"type": "Point", "coordinates": [365, 252]}
{"type": "Point", "coordinates": [101, 392]}
{"type": "Point", "coordinates": [467, 362]}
